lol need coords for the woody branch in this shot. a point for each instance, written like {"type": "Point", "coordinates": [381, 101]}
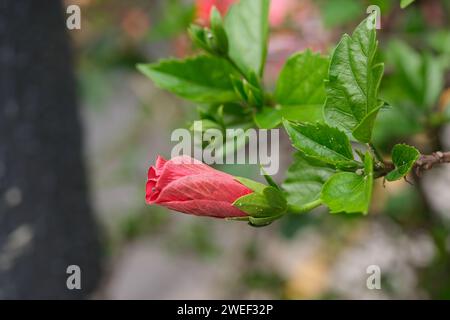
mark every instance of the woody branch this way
{"type": "Point", "coordinates": [426, 162]}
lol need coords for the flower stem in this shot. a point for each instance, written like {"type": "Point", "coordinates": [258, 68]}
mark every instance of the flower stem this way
{"type": "Point", "coordinates": [302, 209]}
{"type": "Point", "coordinates": [236, 67]}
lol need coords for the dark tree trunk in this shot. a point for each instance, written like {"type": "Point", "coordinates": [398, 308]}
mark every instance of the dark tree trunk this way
{"type": "Point", "coordinates": [46, 223]}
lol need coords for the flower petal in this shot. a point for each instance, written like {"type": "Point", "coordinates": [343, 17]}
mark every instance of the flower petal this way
{"type": "Point", "coordinates": [160, 162]}
{"type": "Point", "coordinates": [203, 187]}
{"type": "Point", "coordinates": [182, 166]}
{"type": "Point", "coordinates": [210, 208]}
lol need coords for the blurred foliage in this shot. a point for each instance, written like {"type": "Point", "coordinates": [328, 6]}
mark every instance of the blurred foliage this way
{"type": "Point", "coordinates": [263, 280]}
{"type": "Point", "coordinates": [196, 238]}
{"type": "Point", "coordinates": [142, 223]}
{"type": "Point", "coordinates": [174, 19]}
{"type": "Point", "coordinates": [340, 12]}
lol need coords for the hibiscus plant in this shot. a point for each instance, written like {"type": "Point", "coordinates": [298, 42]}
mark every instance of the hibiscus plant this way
{"type": "Point", "coordinates": [328, 106]}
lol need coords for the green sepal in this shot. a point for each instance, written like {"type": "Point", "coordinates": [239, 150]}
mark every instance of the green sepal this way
{"type": "Point", "coordinates": [220, 39]}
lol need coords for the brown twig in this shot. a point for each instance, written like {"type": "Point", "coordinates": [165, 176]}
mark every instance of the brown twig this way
{"type": "Point", "coordinates": [426, 162]}
{"type": "Point", "coordinates": [384, 169]}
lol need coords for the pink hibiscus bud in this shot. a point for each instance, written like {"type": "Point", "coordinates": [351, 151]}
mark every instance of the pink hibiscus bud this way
{"type": "Point", "coordinates": [187, 185]}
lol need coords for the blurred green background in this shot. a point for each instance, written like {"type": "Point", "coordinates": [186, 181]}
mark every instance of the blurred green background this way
{"type": "Point", "coordinates": [156, 254]}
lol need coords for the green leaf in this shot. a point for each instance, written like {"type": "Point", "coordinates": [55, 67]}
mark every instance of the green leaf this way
{"type": "Point", "coordinates": [354, 79]}
{"type": "Point", "coordinates": [349, 192]}
{"type": "Point", "coordinates": [403, 157]}
{"type": "Point", "coordinates": [246, 25]}
{"type": "Point", "coordinates": [301, 86]}
{"type": "Point", "coordinates": [270, 202]}
{"type": "Point", "coordinates": [268, 118]}
{"type": "Point", "coordinates": [304, 180]}
{"type": "Point", "coordinates": [405, 3]}
{"type": "Point", "coordinates": [304, 113]}
{"type": "Point", "coordinates": [321, 142]}
{"type": "Point", "coordinates": [201, 79]}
